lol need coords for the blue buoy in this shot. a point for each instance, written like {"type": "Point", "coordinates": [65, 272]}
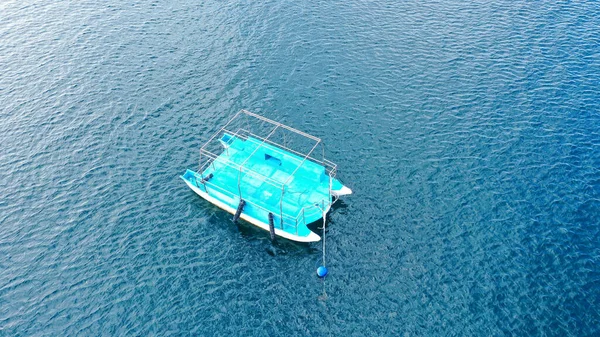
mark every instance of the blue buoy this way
{"type": "Point", "coordinates": [322, 271]}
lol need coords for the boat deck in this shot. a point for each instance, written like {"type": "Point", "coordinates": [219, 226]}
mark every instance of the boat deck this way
{"type": "Point", "coordinates": [269, 166]}
{"type": "Point", "coordinates": [257, 171]}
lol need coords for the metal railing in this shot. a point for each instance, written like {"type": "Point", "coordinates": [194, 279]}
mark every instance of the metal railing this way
{"type": "Point", "coordinates": [288, 219]}
{"type": "Point", "coordinates": [212, 158]}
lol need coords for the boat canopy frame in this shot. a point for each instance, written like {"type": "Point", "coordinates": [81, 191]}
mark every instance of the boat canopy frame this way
{"type": "Point", "coordinates": [244, 130]}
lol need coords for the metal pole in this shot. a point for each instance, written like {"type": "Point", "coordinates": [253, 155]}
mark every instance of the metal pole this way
{"type": "Point", "coordinates": [302, 162]}
{"type": "Point", "coordinates": [281, 125]}
{"type": "Point", "coordinates": [281, 206]}
{"type": "Point", "coordinates": [250, 156]}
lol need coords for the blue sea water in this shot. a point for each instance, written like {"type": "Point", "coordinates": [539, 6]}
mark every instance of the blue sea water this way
{"type": "Point", "coordinates": [469, 132]}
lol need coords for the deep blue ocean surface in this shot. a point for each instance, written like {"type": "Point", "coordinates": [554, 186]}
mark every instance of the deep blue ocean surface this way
{"type": "Point", "coordinates": [468, 130]}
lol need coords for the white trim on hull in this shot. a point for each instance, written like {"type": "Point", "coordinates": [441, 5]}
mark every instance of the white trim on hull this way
{"type": "Point", "coordinates": [343, 191]}
{"type": "Point", "coordinates": [312, 237]}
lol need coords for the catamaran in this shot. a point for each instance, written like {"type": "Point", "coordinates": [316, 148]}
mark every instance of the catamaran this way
{"type": "Point", "coordinates": [264, 172]}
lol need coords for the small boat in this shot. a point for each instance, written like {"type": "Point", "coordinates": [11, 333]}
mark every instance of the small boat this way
{"type": "Point", "coordinates": [264, 172]}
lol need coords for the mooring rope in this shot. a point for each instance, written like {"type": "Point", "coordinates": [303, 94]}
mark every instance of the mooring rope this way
{"type": "Point", "coordinates": [324, 221]}
{"type": "Point", "coordinates": [324, 218]}
{"type": "Point", "coordinates": [323, 296]}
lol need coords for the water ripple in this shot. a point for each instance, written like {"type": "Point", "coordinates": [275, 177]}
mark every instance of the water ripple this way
{"type": "Point", "coordinates": [468, 132]}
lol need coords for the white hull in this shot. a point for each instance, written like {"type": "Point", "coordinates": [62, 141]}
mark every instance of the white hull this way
{"type": "Point", "coordinates": [344, 191]}
{"type": "Point", "coordinates": [312, 237]}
